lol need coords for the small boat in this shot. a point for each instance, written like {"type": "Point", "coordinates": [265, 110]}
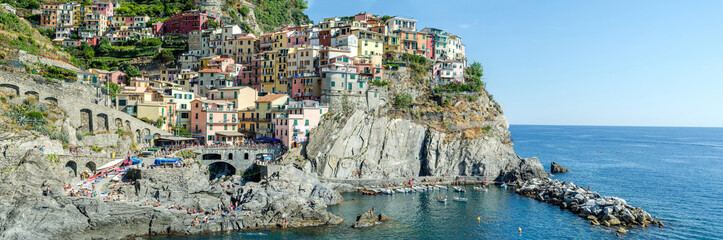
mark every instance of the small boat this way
{"type": "Point", "coordinates": [504, 186]}
{"type": "Point", "coordinates": [441, 186]}
{"type": "Point", "coordinates": [460, 199]}
{"type": "Point", "coordinates": [441, 199]}
{"type": "Point", "coordinates": [459, 189]}
{"type": "Point", "coordinates": [368, 192]}
{"type": "Point", "coordinates": [476, 188]}
{"type": "Point", "coordinates": [386, 191]}
{"type": "Point", "coordinates": [401, 190]}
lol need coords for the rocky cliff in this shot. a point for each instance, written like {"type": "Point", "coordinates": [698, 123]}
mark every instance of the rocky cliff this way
{"type": "Point", "coordinates": [360, 145]}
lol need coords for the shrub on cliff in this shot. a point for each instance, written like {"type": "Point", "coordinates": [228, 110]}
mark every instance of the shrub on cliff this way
{"type": "Point", "coordinates": [403, 101]}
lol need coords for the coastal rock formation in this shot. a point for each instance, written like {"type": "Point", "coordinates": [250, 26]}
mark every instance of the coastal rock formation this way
{"type": "Point", "coordinates": [599, 210]}
{"type": "Point", "coordinates": [360, 145]}
{"type": "Point", "coordinates": [557, 168]}
{"type": "Point", "coordinates": [367, 219]}
{"type": "Point", "coordinates": [290, 197]}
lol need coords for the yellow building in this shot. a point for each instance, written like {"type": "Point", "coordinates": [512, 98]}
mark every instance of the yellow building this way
{"type": "Point", "coordinates": [245, 47]}
{"type": "Point", "coordinates": [183, 107]}
{"type": "Point", "coordinates": [247, 120]}
{"type": "Point", "coordinates": [370, 43]}
{"type": "Point", "coordinates": [155, 111]}
{"type": "Point", "coordinates": [267, 107]}
{"type": "Point", "coordinates": [240, 97]}
{"type": "Point", "coordinates": [266, 74]}
{"type": "Point", "coordinates": [280, 66]}
{"type": "Point", "coordinates": [391, 42]}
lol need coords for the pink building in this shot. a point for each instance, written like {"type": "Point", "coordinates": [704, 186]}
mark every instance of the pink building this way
{"type": "Point", "coordinates": [363, 17]}
{"type": "Point", "coordinates": [297, 38]}
{"type": "Point", "coordinates": [448, 71]}
{"type": "Point", "coordinates": [293, 126]}
{"type": "Point", "coordinates": [188, 21]}
{"type": "Point", "coordinates": [116, 77]}
{"type": "Point", "coordinates": [214, 122]}
{"type": "Point", "coordinates": [103, 7]}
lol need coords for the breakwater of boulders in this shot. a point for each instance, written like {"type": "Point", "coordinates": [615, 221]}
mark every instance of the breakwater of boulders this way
{"type": "Point", "coordinates": [599, 210]}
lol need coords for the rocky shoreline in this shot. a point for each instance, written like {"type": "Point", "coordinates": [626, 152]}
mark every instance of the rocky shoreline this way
{"type": "Point", "coordinates": [288, 198]}
{"type": "Point", "coordinates": [599, 210]}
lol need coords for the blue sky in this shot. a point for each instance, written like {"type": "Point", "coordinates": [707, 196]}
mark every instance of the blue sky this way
{"type": "Point", "coordinates": [629, 63]}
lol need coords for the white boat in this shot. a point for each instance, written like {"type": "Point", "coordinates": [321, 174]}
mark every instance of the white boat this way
{"type": "Point", "coordinates": [400, 190]}
{"type": "Point", "coordinates": [459, 189]}
{"type": "Point", "coordinates": [444, 200]}
{"type": "Point", "coordinates": [387, 191]}
{"type": "Point", "coordinates": [441, 186]}
{"type": "Point", "coordinates": [460, 199]}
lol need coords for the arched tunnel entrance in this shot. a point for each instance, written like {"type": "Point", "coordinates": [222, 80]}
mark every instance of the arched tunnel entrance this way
{"type": "Point", "coordinates": [72, 168]}
{"type": "Point", "coordinates": [220, 169]}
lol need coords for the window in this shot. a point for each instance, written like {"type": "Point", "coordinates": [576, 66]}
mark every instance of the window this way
{"type": "Point", "coordinates": [361, 85]}
{"type": "Point", "coordinates": [307, 122]}
{"type": "Point", "coordinates": [210, 127]}
{"type": "Point", "coordinates": [225, 127]}
{"type": "Point", "coordinates": [196, 117]}
{"type": "Point", "coordinates": [296, 122]}
{"type": "Point", "coordinates": [332, 83]}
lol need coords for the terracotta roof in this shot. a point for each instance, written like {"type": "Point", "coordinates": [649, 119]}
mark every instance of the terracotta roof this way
{"type": "Point", "coordinates": [270, 97]}
{"type": "Point", "coordinates": [212, 70]}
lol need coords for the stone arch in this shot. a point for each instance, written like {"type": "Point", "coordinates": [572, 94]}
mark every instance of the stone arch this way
{"type": "Point", "coordinates": [10, 88]}
{"type": "Point", "coordinates": [220, 168]}
{"type": "Point", "coordinates": [72, 168]}
{"type": "Point", "coordinates": [146, 132]}
{"type": "Point", "coordinates": [119, 123]}
{"type": "Point", "coordinates": [86, 120]}
{"type": "Point", "coordinates": [88, 170]}
{"type": "Point", "coordinates": [211, 156]}
{"type": "Point", "coordinates": [51, 100]}
{"type": "Point", "coordinates": [246, 156]}
{"type": "Point", "coordinates": [128, 125]}
{"type": "Point", "coordinates": [33, 93]}
{"type": "Point", "coordinates": [101, 122]}
{"type": "Point", "coordinates": [138, 136]}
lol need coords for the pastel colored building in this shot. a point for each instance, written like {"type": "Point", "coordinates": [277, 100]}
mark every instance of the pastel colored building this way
{"type": "Point", "coordinates": [241, 97]}
{"type": "Point", "coordinates": [188, 21]}
{"type": "Point", "coordinates": [183, 101]}
{"type": "Point", "coordinates": [448, 71]}
{"type": "Point", "coordinates": [214, 122]}
{"type": "Point", "coordinates": [267, 107]}
{"type": "Point", "coordinates": [402, 23]}
{"type": "Point", "coordinates": [294, 125]}
{"type": "Point", "coordinates": [417, 43]}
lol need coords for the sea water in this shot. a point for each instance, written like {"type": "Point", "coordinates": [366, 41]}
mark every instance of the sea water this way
{"type": "Point", "coordinates": [676, 174]}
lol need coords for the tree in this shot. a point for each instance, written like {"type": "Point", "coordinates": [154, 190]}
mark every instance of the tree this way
{"type": "Point", "coordinates": [244, 11]}
{"type": "Point", "coordinates": [181, 131]}
{"type": "Point", "coordinates": [130, 70]}
{"type": "Point", "coordinates": [104, 47]}
{"type": "Point", "coordinates": [212, 24]}
{"type": "Point", "coordinates": [164, 56]}
{"type": "Point", "coordinates": [474, 76]}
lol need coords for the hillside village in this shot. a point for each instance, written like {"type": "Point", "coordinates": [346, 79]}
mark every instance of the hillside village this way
{"type": "Point", "coordinates": [227, 84]}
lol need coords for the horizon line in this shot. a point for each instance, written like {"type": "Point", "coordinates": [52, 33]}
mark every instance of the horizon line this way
{"type": "Point", "coordinates": [593, 125]}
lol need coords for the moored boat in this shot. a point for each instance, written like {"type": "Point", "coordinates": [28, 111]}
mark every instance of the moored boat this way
{"type": "Point", "coordinates": [460, 199]}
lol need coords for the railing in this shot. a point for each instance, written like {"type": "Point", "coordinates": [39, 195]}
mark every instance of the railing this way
{"type": "Point", "coordinates": [233, 120]}
{"type": "Point", "coordinates": [213, 109]}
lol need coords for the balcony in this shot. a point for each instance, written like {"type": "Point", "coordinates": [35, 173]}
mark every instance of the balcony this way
{"type": "Point", "coordinates": [232, 120]}
{"type": "Point", "coordinates": [213, 109]}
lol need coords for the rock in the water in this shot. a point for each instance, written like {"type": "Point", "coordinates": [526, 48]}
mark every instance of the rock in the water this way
{"type": "Point", "coordinates": [622, 230]}
{"type": "Point", "coordinates": [557, 168]}
{"type": "Point", "coordinates": [367, 219]}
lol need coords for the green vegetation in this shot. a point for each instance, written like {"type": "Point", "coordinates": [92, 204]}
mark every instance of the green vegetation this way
{"type": "Point", "coordinates": [473, 77]}
{"type": "Point", "coordinates": [186, 154]}
{"type": "Point", "coordinates": [244, 11]}
{"type": "Point", "coordinates": [36, 116]}
{"type": "Point", "coordinates": [418, 65]}
{"type": "Point", "coordinates": [112, 87]}
{"type": "Point", "coordinates": [51, 72]}
{"type": "Point", "coordinates": [272, 14]}
{"type": "Point", "coordinates": [403, 100]}
{"type": "Point", "coordinates": [96, 149]}
{"type": "Point", "coordinates": [181, 131]}
{"type": "Point", "coordinates": [164, 56]}
{"type": "Point", "coordinates": [23, 33]}
{"type": "Point", "coordinates": [380, 83]}
{"type": "Point", "coordinates": [154, 8]}
{"type": "Point", "coordinates": [130, 70]}
{"type": "Point", "coordinates": [212, 24]}
{"type": "Point", "coordinates": [30, 4]}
